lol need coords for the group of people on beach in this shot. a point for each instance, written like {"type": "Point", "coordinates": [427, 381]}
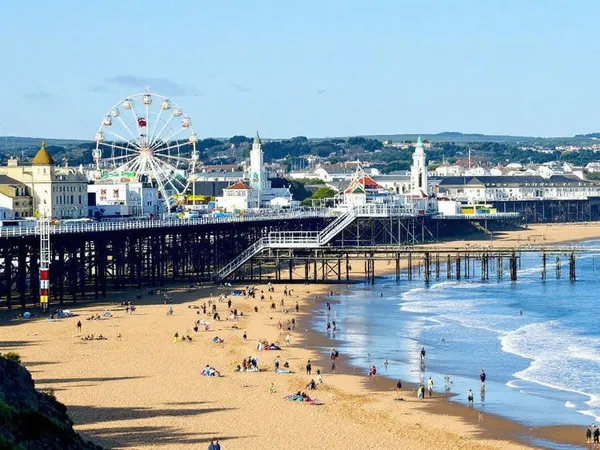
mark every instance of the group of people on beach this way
{"type": "Point", "coordinates": [592, 435]}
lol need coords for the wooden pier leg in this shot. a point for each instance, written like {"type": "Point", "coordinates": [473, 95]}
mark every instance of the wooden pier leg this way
{"type": "Point", "coordinates": [449, 268]}
{"type": "Point", "coordinates": [467, 266]}
{"type": "Point", "coordinates": [397, 267]}
{"type": "Point", "coordinates": [513, 267]}
{"type": "Point", "coordinates": [500, 269]}
{"type": "Point", "coordinates": [437, 266]}
{"type": "Point", "coordinates": [347, 268]}
{"type": "Point", "coordinates": [572, 276]}
{"type": "Point", "coordinates": [557, 267]}
{"type": "Point", "coordinates": [458, 267]}
{"type": "Point", "coordinates": [426, 263]}
{"type": "Point", "coordinates": [409, 265]}
{"type": "Point", "coordinates": [543, 266]}
{"type": "Point", "coordinates": [372, 270]}
{"type": "Point", "coordinates": [291, 267]}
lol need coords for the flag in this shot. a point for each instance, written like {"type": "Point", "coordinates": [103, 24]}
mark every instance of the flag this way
{"type": "Point", "coordinates": [141, 122]}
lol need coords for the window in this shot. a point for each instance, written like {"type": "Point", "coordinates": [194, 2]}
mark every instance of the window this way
{"type": "Point", "coordinates": [80, 199]}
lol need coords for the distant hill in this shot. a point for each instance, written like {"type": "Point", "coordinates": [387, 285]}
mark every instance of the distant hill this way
{"type": "Point", "coordinates": [454, 136]}
{"type": "Point", "coordinates": [24, 143]}
{"type": "Point", "coordinates": [462, 138]}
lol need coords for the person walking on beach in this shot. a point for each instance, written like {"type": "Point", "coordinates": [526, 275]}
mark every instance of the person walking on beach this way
{"type": "Point", "coordinates": [308, 367]}
{"type": "Point", "coordinates": [399, 386]}
{"type": "Point", "coordinates": [447, 383]}
{"type": "Point", "coordinates": [430, 386]}
{"type": "Point", "coordinates": [385, 364]}
{"type": "Point", "coordinates": [79, 326]}
{"type": "Point", "coordinates": [423, 355]}
{"type": "Point", "coordinates": [482, 378]}
{"type": "Point", "coordinates": [588, 435]}
{"type": "Point", "coordinates": [470, 398]}
{"type": "Point", "coordinates": [596, 435]}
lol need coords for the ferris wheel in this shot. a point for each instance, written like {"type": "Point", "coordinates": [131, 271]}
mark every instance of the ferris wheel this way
{"type": "Point", "coordinates": [147, 137]}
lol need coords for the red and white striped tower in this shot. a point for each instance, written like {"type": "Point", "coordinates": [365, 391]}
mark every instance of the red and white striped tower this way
{"type": "Point", "coordinates": [44, 230]}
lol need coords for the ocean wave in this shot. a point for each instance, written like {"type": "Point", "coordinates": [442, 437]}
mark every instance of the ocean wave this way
{"type": "Point", "coordinates": [559, 359]}
{"type": "Point", "coordinates": [569, 404]}
{"type": "Point", "coordinates": [590, 413]}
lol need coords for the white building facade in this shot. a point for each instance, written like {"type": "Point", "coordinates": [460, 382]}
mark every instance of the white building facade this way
{"type": "Point", "coordinates": [489, 189]}
{"type": "Point", "coordinates": [123, 199]}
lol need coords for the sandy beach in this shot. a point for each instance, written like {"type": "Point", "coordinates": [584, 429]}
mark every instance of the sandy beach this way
{"type": "Point", "coordinates": [141, 389]}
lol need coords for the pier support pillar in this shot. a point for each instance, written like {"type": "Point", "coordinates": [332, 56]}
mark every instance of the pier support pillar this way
{"type": "Point", "coordinates": [572, 275]}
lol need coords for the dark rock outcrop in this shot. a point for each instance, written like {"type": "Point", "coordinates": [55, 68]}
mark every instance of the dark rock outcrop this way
{"type": "Point", "coordinates": [32, 420]}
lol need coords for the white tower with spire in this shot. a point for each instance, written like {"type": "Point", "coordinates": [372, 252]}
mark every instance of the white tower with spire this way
{"type": "Point", "coordinates": [418, 170]}
{"type": "Point", "coordinates": [258, 175]}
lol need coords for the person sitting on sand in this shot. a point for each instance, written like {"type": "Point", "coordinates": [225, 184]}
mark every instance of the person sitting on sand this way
{"type": "Point", "coordinates": [311, 385]}
{"type": "Point", "coordinates": [272, 389]}
{"type": "Point", "coordinates": [176, 338]}
{"type": "Point", "coordinates": [218, 340]}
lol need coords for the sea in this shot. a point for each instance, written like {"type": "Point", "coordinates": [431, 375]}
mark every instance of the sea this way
{"type": "Point", "coordinates": [537, 341]}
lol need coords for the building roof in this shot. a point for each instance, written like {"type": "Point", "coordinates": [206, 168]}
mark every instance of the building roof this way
{"type": "Point", "coordinates": [515, 181]}
{"type": "Point", "coordinates": [42, 157]}
{"type": "Point", "coordinates": [239, 185]}
{"type": "Point", "coordinates": [364, 182]}
{"type": "Point", "coordinates": [6, 180]}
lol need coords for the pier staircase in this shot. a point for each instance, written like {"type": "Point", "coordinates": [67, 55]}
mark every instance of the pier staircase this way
{"type": "Point", "coordinates": [291, 239]}
{"type": "Point", "coordinates": [312, 239]}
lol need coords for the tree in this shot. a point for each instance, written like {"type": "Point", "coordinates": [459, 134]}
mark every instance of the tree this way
{"type": "Point", "coordinates": [319, 194]}
{"type": "Point", "coordinates": [238, 140]}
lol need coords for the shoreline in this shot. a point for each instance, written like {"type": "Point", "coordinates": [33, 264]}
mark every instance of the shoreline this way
{"type": "Point", "coordinates": [142, 390]}
{"type": "Point", "coordinates": [493, 426]}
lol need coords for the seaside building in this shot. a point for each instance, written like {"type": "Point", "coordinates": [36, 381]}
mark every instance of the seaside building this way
{"type": "Point", "coordinates": [15, 200]}
{"type": "Point", "coordinates": [363, 190]}
{"type": "Point", "coordinates": [57, 192]}
{"type": "Point", "coordinates": [500, 188]}
{"type": "Point", "coordinates": [256, 191]}
{"type": "Point", "coordinates": [122, 199]}
{"type": "Point", "coordinates": [418, 170]}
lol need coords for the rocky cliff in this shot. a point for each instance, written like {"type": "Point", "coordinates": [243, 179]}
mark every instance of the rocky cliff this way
{"type": "Point", "coordinates": [30, 419]}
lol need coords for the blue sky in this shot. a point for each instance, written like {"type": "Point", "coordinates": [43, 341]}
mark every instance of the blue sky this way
{"type": "Point", "coordinates": [313, 68]}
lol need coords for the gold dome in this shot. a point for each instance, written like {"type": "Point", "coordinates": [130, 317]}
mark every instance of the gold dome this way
{"type": "Point", "coordinates": [42, 157]}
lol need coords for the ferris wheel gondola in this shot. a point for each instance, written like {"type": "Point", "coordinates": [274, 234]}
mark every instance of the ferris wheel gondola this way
{"type": "Point", "coordinates": [148, 137]}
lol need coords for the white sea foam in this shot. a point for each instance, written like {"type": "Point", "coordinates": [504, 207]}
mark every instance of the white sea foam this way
{"type": "Point", "coordinates": [569, 404]}
{"type": "Point", "coordinates": [590, 413]}
{"type": "Point", "coordinates": [559, 359]}
{"type": "Point", "coordinates": [512, 384]}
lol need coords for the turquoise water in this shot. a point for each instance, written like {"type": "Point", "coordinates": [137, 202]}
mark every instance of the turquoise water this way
{"type": "Point", "coordinates": [543, 367]}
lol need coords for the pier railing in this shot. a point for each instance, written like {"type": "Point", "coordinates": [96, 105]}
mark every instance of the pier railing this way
{"type": "Point", "coordinates": [145, 224]}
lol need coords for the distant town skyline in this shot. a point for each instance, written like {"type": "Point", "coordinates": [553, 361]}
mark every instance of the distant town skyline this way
{"type": "Point", "coordinates": [317, 69]}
